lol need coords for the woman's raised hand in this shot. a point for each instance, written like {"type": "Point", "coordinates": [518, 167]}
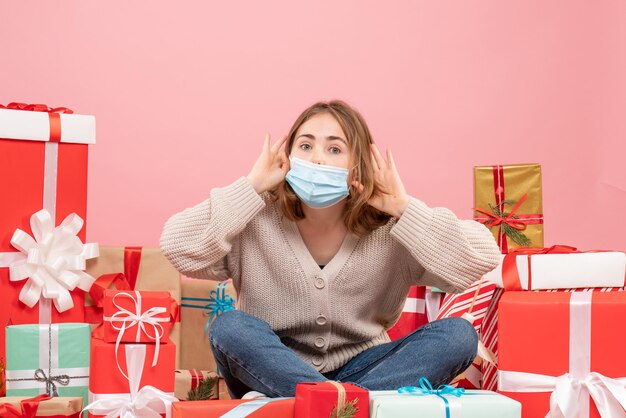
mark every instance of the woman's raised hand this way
{"type": "Point", "coordinates": [391, 197]}
{"type": "Point", "coordinates": [271, 167]}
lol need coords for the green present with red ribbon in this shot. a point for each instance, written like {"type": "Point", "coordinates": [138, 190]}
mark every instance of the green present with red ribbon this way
{"type": "Point", "coordinates": [508, 200]}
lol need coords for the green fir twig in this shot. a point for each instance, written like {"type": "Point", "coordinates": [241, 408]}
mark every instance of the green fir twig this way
{"type": "Point", "coordinates": [348, 411]}
{"type": "Point", "coordinates": [204, 390]}
{"type": "Point", "coordinates": [515, 235]}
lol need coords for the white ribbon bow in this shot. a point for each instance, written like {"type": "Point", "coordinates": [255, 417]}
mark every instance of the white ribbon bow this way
{"type": "Point", "coordinates": [130, 319]}
{"type": "Point", "coordinates": [568, 393]}
{"type": "Point", "coordinates": [53, 261]}
{"type": "Point", "coordinates": [147, 402]}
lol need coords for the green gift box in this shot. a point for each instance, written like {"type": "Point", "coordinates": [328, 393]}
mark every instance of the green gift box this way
{"type": "Point", "coordinates": [471, 404]}
{"type": "Point", "coordinates": [52, 359]}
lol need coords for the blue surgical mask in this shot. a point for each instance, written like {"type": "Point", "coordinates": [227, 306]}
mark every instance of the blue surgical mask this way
{"type": "Point", "coordinates": [318, 186]}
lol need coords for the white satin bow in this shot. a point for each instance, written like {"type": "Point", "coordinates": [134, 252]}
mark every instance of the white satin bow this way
{"type": "Point", "coordinates": [147, 402]}
{"type": "Point", "coordinates": [52, 260]}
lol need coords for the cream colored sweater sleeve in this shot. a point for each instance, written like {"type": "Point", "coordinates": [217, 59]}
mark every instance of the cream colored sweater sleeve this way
{"type": "Point", "coordinates": [198, 240]}
{"type": "Point", "coordinates": [448, 253]}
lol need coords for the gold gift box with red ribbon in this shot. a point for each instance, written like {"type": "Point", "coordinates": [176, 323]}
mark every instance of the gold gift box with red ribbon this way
{"type": "Point", "coordinates": [508, 200]}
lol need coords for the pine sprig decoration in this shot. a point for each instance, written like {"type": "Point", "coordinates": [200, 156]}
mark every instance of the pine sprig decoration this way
{"type": "Point", "coordinates": [204, 391]}
{"type": "Point", "coordinates": [515, 235]}
{"type": "Point", "coordinates": [348, 411]}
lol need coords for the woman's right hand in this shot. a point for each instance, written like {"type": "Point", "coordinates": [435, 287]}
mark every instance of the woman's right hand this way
{"type": "Point", "coordinates": [271, 167]}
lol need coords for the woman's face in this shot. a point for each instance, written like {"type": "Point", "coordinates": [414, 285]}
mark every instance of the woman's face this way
{"type": "Point", "coordinates": [321, 140]}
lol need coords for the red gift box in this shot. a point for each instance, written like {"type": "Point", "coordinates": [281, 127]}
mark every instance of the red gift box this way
{"type": "Point", "coordinates": [318, 399]}
{"type": "Point", "coordinates": [263, 408]}
{"type": "Point", "coordinates": [138, 316]}
{"type": "Point", "coordinates": [413, 314]}
{"type": "Point", "coordinates": [43, 164]}
{"type": "Point", "coordinates": [115, 377]}
{"type": "Point", "coordinates": [555, 348]}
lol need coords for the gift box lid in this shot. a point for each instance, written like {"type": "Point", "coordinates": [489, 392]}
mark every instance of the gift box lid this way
{"type": "Point", "coordinates": [36, 126]}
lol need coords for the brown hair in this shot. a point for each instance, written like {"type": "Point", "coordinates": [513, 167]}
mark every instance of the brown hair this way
{"type": "Point", "coordinates": [359, 217]}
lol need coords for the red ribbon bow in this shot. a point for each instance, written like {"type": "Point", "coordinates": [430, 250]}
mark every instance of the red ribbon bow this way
{"type": "Point", "coordinates": [53, 114]}
{"type": "Point", "coordinates": [36, 108]}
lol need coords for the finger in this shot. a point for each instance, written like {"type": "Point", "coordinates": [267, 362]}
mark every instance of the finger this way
{"type": "Point", "coordinates": [278, 144]}
{"type": "Point", "coordinates": [390, 160]}
{"type": "Point", "coordinates": [380, 161]}
{"type": "Point", "coordinates": [266, 142]}
{"type": "Point", "coordinates": [284, 162]}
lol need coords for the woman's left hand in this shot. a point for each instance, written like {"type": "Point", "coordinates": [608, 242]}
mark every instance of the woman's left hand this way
{"type": "Point", "coordinates": [391, 198]}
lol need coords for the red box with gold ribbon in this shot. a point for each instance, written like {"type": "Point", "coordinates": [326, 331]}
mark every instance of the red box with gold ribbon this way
{"type": "Point", "coordinates": [130, 374]}
{"type": "Point", "coordinates": [257, 408]}
{"type": "Point", "coordinates": [558, 348]}
{"type": "Point", "coordinates": [43, 167]}
{"type": "Point", "coordinates": [138, 316]}
{"type": "Point", "coordinates": [508, 200]}
{"type": "Point", "coordinates": [321, 399]}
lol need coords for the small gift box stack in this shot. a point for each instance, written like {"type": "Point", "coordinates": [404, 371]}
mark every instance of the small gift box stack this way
{"type": "Point", "coordinates": [43, 255]}
{"type": "Point", "coordinates": [312, 400]}
{"type": "Point", "coordinates": [553, 307]}
{"type": "Point", "coordinates": [132, 268]}
{"type": "Point", "coordinates": [132, 358]}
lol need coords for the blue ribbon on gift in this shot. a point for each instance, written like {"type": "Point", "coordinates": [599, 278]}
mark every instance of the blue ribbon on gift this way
{"type": "Point", "coordinates": [426, 388]}
{"type": "Point", "coordinates": [218, 302]}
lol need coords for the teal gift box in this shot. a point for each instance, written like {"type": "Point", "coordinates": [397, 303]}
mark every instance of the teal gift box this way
{"type": "Point", "coordinates": [52, 359]}
{"type": "Point", "coordinates": [471, 404]}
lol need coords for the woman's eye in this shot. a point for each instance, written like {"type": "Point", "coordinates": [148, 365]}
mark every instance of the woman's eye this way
{"type": "Point", "coordinates": [305, 147]}
{"type": "Point", "coordinates": [335, 150]}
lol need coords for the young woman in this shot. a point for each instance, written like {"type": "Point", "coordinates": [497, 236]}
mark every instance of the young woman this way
{"type": "Point", "coordinates": [323, 242]}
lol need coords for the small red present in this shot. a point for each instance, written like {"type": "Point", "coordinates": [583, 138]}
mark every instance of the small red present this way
{"type": "Point", "coordinates": [421, 306]}
{"type": "Point", "coordinates": [137, 316]}
{"type": "Point", "coordinates": [257, 408]}
{"type": "Point", "coordinates": [326, 399]}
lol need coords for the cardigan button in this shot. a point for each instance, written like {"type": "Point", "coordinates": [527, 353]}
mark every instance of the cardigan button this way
{"type": "Point", "coordinates": [320, 342]}
{"type": "Point", "coordinates": [318, 360]}
{"type": "Point", "coordinates": [319, 283]}
{"type": "Point", "coordinates": [321, 320]}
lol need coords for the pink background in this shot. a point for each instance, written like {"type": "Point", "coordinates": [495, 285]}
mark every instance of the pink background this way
{"type": "Point", "coordinates": [183, 93]}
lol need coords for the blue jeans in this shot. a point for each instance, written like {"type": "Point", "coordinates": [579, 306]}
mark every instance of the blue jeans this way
{"type": "Point", "coordinates": [250, 356]}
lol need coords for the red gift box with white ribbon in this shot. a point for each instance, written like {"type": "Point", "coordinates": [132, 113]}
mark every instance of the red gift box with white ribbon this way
{"type": "Point", "coordinates": [137, 316]}
{"type": "Point", "coordinates": [43, 168]}
{"type": "Point", "coordinates": [562, 353]}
